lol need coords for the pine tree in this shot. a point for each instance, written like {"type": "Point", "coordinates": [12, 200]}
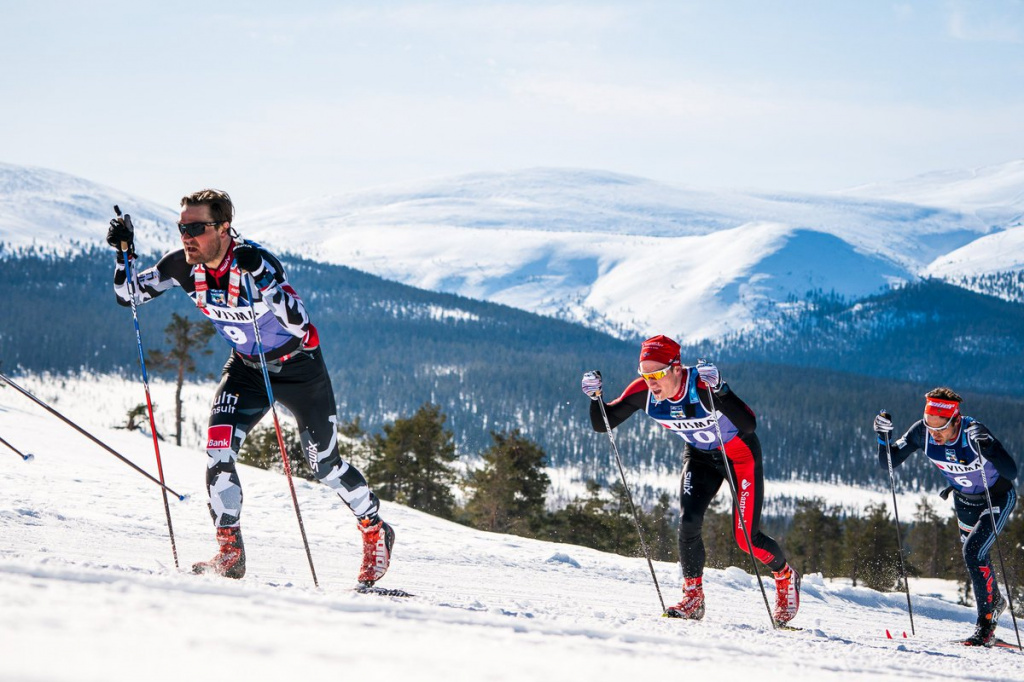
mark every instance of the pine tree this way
{"type": "Point", "coordinates": [186, 338]}
{"type": "Point", "coordinates": [508, 492]}
{"type": "Point", "coordinates": [814, 541]}
{"type": "Point", "coordinates": [720, 543]}
{"type": "Point", "coordinates": [935, 543]}
{"type": "Point", "coordinates": [262, 450]}
{"type": "Point", "coordinates": [873, 550]}
{"type": "Point", "coordinates": [411, 462]}
{"type": "Point", "coordinates": [584, 521]}
{"type": "Point", "coordinates": [662, 530]}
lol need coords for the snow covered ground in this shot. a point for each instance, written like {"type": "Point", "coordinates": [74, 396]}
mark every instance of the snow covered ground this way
{"type": "Point", "coordinates": [89, 592]}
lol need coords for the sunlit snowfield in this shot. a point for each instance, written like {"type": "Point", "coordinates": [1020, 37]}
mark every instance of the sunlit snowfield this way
{"type": "Point", "coordinates": [90, 591]}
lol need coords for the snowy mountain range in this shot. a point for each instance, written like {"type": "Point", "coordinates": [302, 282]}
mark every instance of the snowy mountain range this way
{"type": "Point", "coordinates": [624, 254]}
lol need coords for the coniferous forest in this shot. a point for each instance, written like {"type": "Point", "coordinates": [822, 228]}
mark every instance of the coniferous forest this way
{"type": "Point", "coordinates": [392, 348]}
{"type": "Point", "coordinates": [446, 376]}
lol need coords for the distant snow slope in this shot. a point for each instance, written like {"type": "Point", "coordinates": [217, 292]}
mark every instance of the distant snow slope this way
{"type": "Point", "coordinates": [620, 253]}
{"type": "Point", "coordinates": [57, 212]}
{"type": "Point", "coordinates": [593, 246]}
{"type": "Point", "coordinates": [90, 593]}
{"type": "Point", "coordinates": [995, 194]}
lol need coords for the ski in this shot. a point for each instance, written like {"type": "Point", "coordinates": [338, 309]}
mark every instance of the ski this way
{"type": "Point", "coordinates": [778, 626]}
{"type": "Point", "coordinates": [996, 644]}
{"type": "Point", "coordinates": [382, 591]}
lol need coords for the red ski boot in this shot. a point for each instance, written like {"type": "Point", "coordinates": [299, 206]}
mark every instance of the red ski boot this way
{"type": "Point", "coordinates": [230, 560]}
{"type": "Point", "coordinates": [378, 538]}
{"type": "Point", "coordinates": [787, 595]}
{"type": "Point", "coordinates": [692, 605]}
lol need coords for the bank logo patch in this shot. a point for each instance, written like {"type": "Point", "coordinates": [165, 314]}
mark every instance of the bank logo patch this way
{"type": "Point", "coordinates": [219, 437]}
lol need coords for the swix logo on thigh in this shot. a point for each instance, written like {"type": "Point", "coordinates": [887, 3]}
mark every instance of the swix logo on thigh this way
{"type": "Point", "coordinates": [219, 437]}
{"type": "Point", "coordinates": [687, 485]}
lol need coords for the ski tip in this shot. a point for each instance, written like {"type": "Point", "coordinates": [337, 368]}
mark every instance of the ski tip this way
{"type": "Point", "coordinates": [363, 588]}
{"type": "Point", "coordinates": [888, 635]}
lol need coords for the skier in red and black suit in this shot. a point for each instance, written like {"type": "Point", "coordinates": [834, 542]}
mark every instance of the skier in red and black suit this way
{"type": "Point", "coordinates": [210, 269]}
{"type": "Point", "coordinates": [677, 398]}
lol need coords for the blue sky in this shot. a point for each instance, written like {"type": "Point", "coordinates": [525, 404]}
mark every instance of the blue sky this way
{"type": "Point", "coordinates": [276, 102]}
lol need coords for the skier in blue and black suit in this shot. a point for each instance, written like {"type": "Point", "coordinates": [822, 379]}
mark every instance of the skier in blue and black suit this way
{"type": "Point", "coordinates": [973, 461]}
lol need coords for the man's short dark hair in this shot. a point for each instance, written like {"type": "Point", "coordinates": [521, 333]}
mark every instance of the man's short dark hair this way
{"type": "Point", "coordinates": [221, 208]}
{"type": "Point", "coordinates": [944, 393]}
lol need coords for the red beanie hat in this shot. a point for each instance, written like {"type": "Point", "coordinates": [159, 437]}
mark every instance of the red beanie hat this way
{"type": "Point", "coordinates": [660, 349]}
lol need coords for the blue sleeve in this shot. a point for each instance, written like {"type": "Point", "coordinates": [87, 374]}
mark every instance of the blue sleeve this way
{"type": "Point", "coordinates": [909, 443]}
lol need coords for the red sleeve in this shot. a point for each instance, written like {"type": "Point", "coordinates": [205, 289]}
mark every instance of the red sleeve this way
{"type": "Point", "coordinates": [619, 410]}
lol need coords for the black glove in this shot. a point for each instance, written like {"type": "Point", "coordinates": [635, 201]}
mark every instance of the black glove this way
{"type": "Point", "coordinates": [883, 427]}
{"type": "Point", "coordinates": [121, 233]}
{"type": "Point", "coordinates": [248, 257]}
{"type": "Point", "coordinates": [979, 436]}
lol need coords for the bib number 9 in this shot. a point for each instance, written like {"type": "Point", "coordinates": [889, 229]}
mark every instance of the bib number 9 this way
{"type": "Point", "coordinates": [236, 335]}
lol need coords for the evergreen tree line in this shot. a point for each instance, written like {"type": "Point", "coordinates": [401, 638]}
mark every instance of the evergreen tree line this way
{"type": "Point", "coordinates": [413, 462]}
{"type": "Point", "coordinates": [391, 348]}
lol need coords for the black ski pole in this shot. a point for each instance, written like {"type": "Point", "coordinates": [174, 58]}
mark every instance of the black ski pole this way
{"type": "Point", "coordinates": [899, 535]}
{"type": "Point", "coordinates": [250, 285]}
{"type": "Point", "coordinates": [999, 549]}
{"type": "Point", "coordinates": [88, 435]}
{"type": "Point", "coordinates": [632, 507]}
{"type": "Point", "coordinates": [132, 292]}
{"type": "Point", "coordinates": [739, 511]}
{"type": "Point", "coordinates": [27, 457]}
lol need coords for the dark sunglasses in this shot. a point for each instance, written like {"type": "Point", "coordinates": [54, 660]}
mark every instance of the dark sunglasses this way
{"type": "Point", "coordinates": [195, 229]}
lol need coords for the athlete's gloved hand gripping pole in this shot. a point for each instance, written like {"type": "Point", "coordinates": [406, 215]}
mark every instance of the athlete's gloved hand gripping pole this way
{"type": "Point", "coordinates": [123, 232]}
{"type": "Point", "coordinates": [592, 386]}
{"type": "Point", "coordinates": [710, 373]}
{"type": "Point", "coordinates": [88, 435]}
{"type": "Point", "coordinates": [977, 437]}
{"type": "Point", "coordinates": [251, 265]}
{"type": "Point", "coordinates": [883, 428]}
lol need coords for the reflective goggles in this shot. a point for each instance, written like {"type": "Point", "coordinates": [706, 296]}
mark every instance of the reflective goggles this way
{"type": "Point", "coordinates": [945, 426]}
{"type": "Point", "coordinates": [655, 375]}
{"type": "Point", "coordinates": [195, 229]}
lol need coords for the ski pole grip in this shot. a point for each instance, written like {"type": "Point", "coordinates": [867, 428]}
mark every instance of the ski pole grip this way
{"type": "Point", "coordinates": [128, 224]}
